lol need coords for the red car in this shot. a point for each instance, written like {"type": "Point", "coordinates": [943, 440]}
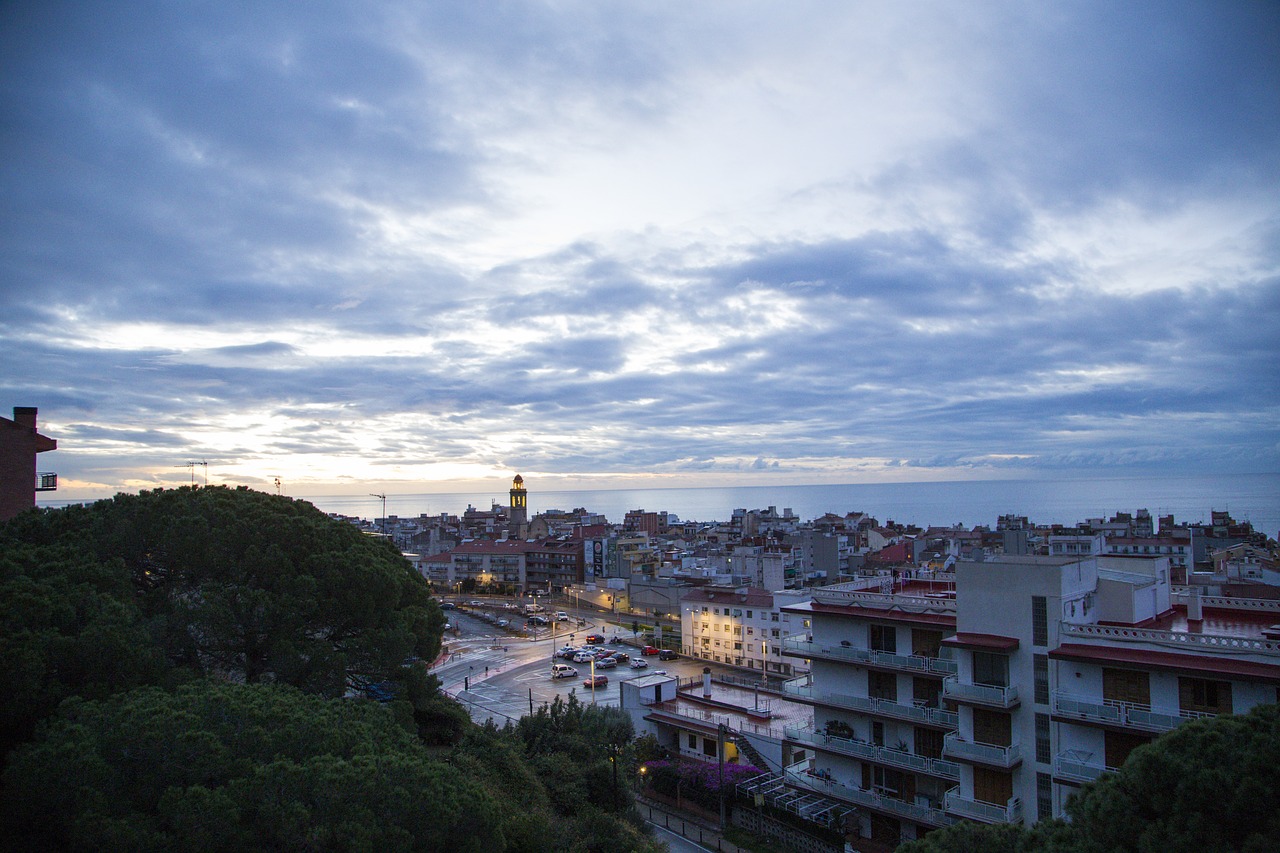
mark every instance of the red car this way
{"type": "Point", "coordinates": [648, 650]}
{"type": "Point", "coordinates": [598, 681]}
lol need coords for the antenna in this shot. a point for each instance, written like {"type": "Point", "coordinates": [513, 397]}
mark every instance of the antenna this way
{"type": "Point", "coordinates": [279, 487]}
{"type": "Point", "coordinates": [191, 466]}
{"type": "Point", "coordinates": [384, 510]}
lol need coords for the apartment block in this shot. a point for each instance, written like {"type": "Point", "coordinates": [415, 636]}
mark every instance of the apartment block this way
{"type": "Point", "coordinates": [992, 693]}
{"type": "Point", "coordinates": [742, 627]}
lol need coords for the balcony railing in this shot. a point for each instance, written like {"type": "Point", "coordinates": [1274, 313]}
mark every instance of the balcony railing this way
{"type": "Point", "coordinates": [871, 705]}
{"type": "Point", "coordinates": [851, 654]}
{"type": "Point", "coordinates": [878, 754]}
{"type": "Point", "coordinates": [954, 746]}
{"type": "Point", "coordinates": [1010, 812]}
{"type": "Point", "coordinates": [984, 694]}
{"type": "Point", "coordinates": [46, 482]}
{"type": "Point", "coordinates": [1069, 631]}
{"type": "Point", "coordinates": [1078, 766]}
{"type": "Point", "coordinates": [923, 811]}
{"type": "Point", "coordinates": [1117, 713]}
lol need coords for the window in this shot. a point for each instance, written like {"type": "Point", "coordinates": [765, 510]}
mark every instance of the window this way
{"type": "Point", "coordinates": [992, 786]}
{"type": "Point", "coordinates": [882, 685]}
{"type": "Point", "coordinates": [928, 742]}
{"type": "Point", "coordinates": [992, 727]}
{"type": "Point", "coordinates": [1044, 796]}
{"type": "Point", "coordinates": [693, 741]}
{"type": "Point", "coordinates": [749, 616]}
{"type": "Point", "coordinates": [1044, 748]}
{"type": "Point", "coordinates": [926, 692]}
{"type": "Point", "coordinates": [773, 617]}
{"type": "Point", "coordinates": [1202, 696]}
{"type": "Point", "coordinates": [1126, 685]}
{"type": "Point", "coordinates": [1041, 663]}
{"type": "Point", "coordinates": [877, 734]}
{"type": "Point", "coordinates": [991, 669]}
{"type": "Point", "coordinates": [884, 638]}
{"type": "Point", "coordinates": [926, 643]}
{"type": "Point", "coordinates": [1039, 620]}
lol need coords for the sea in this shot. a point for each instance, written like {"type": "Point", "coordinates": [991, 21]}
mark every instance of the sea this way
{"type": "Point", "coordinates": [1247, 497]}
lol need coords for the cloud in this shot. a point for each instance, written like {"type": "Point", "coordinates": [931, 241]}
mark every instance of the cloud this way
{"type": "Point", "coordinates": [412, 242]}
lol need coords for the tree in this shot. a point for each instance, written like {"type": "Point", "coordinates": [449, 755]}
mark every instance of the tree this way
{"type": "Point", "coordinates": [255, 587]}
{"type": "Point", "coordinates": [233, 767]}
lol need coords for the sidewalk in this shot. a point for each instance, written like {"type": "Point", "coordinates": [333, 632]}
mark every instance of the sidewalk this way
{"type": "Point", "coordinates": [704, 832]}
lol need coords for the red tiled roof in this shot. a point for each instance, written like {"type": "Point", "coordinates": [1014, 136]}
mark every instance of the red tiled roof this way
{"type": "Point", "coordinates": [1206, 664]}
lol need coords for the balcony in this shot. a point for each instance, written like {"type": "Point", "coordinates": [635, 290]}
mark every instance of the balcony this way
{"type": "Point", "coordinates": [954, 746]}
{"type": "Point", "coordinates": [923, 811]}
{"type": "Point", "coordinates": [1122, 714]}
{"type": "Point", "coordinates": [1074, 765]}
{"type": "Point", "coordinates": [980, 694]}
{"type": "Point", "coordinates": [868, 657]}
{"type": "Point", "coordinates": [877, 754]}
{"type": "Point", "coordinates": [870, 705]}
{"type": "Point", "coordinates": [46, 482]}
{"type": "Point", "coordinates": [1010, 812]}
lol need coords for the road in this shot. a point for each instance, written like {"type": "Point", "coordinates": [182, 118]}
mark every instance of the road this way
{"type": "Point", "coordinates": [502, 676]}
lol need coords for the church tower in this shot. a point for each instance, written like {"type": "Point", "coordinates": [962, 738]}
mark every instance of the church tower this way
{"type": "Point", "coordinates": [518, 518]}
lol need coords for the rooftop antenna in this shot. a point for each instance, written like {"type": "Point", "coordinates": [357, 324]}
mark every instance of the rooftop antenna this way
{"type": "Point", "coordinates": [384, 510]}
{"type": "Point", "coordinates": [191, 466]}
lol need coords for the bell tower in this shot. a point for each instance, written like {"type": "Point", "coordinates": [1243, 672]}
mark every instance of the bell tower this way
{"type": "Point", "coordinates": [519, 515]}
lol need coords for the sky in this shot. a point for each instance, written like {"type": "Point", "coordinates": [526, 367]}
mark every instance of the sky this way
{"type": "Point", "coordinates": [409, 247]}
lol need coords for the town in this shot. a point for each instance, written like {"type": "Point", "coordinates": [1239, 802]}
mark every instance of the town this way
{"type": "Point", "coordinates": [945, 673]}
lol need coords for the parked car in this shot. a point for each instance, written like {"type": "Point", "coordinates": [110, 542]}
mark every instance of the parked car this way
{"type": "Point", "coordinates": [448, 605]}
{"type": "Point", "coordinates": [566, 652]}
{"type": "Point", "coordinates": [639, 663]}
{"type": "Point", "coordinates": [561, 616]}
{"type": "Point", "coordinates": [538, 620]}
{"type": "Point", "coordinates": [583, 657]}
{"type": "Point", "coordinates": [473, 603]}
{"type": "Point", "coordinates": [621, 657]}
{"type": "Point", "coordinates": [595, 638]}
{"type": "Point", "coordinates": [606, 663]}
{"type": "Point", "coordinates": [502, 623]}
{"type": "Point", "coordinates": [649, 650]}
{"type": "Point", "coordinates": [667, 654]}
{"type": "Point", "coordinates": [563, 670]}
{"type": "Point", "coordinates": [597, 681]}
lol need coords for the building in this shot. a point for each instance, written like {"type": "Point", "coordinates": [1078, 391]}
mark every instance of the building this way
{"type": "Point", "coordinates": [743, 627]}
{"type": "Point", "coordinates": [19, 479]}
{"type": "Point", "coordinates": [993, 694]}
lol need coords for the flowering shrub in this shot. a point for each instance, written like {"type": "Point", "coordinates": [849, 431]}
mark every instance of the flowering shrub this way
{"type": "Point", "coordinates": [697, 781]}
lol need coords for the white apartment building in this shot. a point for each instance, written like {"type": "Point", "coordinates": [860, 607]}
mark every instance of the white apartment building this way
{"type": "Point", "coordinates": [742, 626]}
{"type": "Point", "coordinates": [992, 697]}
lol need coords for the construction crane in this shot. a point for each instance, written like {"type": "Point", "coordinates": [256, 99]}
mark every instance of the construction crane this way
{"type": "Point", "coordinates": [192, 467]}
{"type": "Point", "coordinates": [384, 510]}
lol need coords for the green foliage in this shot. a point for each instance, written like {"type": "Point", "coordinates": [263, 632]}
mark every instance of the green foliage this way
{"type": "Point", "coordinates": [246, 585]}
{"type": "Point", "coordinates": [239, 767]}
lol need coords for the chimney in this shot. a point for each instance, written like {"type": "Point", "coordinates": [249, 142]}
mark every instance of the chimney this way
{"type": "Point", "coordinates": [706, 682]}
{"type": "Point", "coordinates": [25, 416]}
{"type": "Point", "coordinates": [1195, 610]}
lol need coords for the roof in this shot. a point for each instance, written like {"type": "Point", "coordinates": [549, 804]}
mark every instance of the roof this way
{"type": "Point", "coordinates": [1207, 664]}
{"type": "Point", "coordinates": [981, 642]}
{"type": "Point", "coordinates": [889, 614]}
{"type": "Point", "coordinates": [754, 596]}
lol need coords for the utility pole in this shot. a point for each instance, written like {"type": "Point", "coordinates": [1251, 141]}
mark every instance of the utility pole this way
{"type": "Point", "coordinates": [720, 733]}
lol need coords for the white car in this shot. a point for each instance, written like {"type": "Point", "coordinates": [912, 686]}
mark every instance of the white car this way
{"type": "Point", "coordinates": [639, 663]}
{"type": "Point", "coordinates": [502, 623]}
{"type": "Point", "coordinates": [583, 657]}
{"type": "Point", "coordinates": [561, 616]}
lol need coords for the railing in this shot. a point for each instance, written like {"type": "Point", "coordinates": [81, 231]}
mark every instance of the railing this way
{"type": "Point", "coordinates": [1129, 714]}
{"type": "Point", "coordinates": [1125, 634]}
{"type": "Point", "coordinates": [871, 752]}
{"type": "Point", "coordinates": [884, 600]}
{"type": "Point", "coordinates": [1010, 812]}
{"type": "Point", "coordinates": [853, 654]}
{"type": "Point", "coordinates": [1266, 605]}
{"type": "Point", "coordinates": [954, 746]}
{"type": "Point", "coordinates": [800, 776]}
{"type": "Point", "coordinates": [871, 705]}
{"type": "Point", "coordinates": [1001, 697]}
{"type": "Point", "coordinates": [1075, 765]}
{"type": "Point", "coordinates": [46, 482]}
